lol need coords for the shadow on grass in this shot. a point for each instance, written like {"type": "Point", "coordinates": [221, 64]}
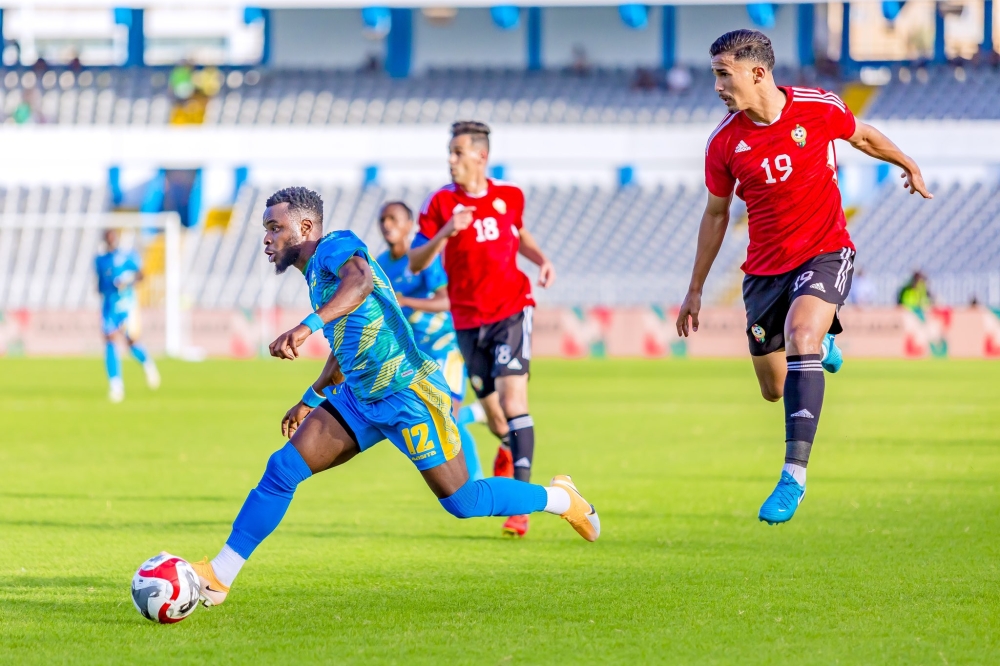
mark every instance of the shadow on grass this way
{"type": "Point", "coordinates": [342, 534]}
{"type": "Point", "coordinates": [122, 498]}
{"type": "Point", "coordinates": [117, 526]}
{"type": "Point", "coordinates": [76, 583]}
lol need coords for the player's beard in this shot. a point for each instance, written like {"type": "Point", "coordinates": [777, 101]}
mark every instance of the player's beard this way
{"type": "Point", "coordinates": [286, 258]}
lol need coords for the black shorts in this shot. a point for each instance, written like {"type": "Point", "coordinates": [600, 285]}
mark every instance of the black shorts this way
{"type": "Point", "coordinates": [497, 350]}
{"type": "Point", "coordinates": [769, 297]}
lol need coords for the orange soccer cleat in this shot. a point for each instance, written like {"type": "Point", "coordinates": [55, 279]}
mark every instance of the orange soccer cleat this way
{"type": "Point", "coordinates": [213, 592]}
{"type": "Point", "coordinates": [503, 464]}
{"type": "Point", "coordinates": [515, 527]}
{"type": "Point", "coordinates": [581, 514]}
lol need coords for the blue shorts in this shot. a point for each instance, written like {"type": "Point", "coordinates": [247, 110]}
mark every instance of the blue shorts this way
{"type": "Point", "coordinates": [121, 320]}
{"type": "Point", "coordinates": [417, 420]}
{"type": "Point", "coordinates": [453, 367]}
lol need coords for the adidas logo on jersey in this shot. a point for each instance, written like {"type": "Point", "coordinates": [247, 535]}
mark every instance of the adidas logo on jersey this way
{"type": "Point", "coordinates": [742, 147]}
{"type": "Point", "coordinates": [818, 286]}
{"type": "Point", "coordinates": [803, 414]}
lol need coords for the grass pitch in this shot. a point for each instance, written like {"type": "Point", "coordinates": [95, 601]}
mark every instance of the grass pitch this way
{"type": "Point", "coordinates": [892, 558]}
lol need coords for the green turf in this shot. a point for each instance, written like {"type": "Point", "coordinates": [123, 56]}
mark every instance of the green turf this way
{"type": "Point", "coordinates": [893, 557]}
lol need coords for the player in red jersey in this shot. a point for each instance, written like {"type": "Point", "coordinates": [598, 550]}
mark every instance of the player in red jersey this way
{"type": "Point", "coordinates": [476, 221]}
{"type": "Point", "coordinates": [776, 149]}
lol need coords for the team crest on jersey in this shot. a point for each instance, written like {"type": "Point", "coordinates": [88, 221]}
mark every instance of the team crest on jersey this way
{"type": "Point", "coordinates": [758, 333]}
{"type": "Point", "coordinates": [799, 136]}
{"type": "Point", "coordinates": [499, 206]}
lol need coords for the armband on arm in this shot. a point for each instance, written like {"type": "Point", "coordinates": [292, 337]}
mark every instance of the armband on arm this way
{"type": "Point", "coordinates": [313, 322]}
{"type": "Point", "coordinates": [311, 398]}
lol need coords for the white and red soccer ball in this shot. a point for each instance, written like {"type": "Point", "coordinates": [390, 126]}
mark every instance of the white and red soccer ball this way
{"type": "Point", "coordinates": [165, 589]}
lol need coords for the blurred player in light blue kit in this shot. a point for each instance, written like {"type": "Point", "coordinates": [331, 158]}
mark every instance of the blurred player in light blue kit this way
{"type": "Point", "coordinates": [424, 299]}
{"type": "Point", "coordinates": [117, 273]}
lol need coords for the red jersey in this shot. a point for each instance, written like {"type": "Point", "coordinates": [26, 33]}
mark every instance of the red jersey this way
{"type": "Point", "coordinates": [787, 175]}
{"type": "Point", "coordinates": [484, 283]}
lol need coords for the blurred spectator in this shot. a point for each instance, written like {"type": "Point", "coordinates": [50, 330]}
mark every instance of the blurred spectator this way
{"type": "Point", "coordinates": [207, 81]}
{"type": "Point", "coordinates": [40, 66]}
{"type": "Point", "coordinates": [862, 289]}
{"type": "Point", "coordinates": [182, 81]}
{"type": "Point", "coordinates": [27, 111]}
{"type": "Point", "coordinates": [581, 65]}
{"type": "Point", "coordinates": [678, 79]}
{"type": "Point", "coordinates": [914, 294]}
{"type": "Point", "coordinates": [74, 64]}
{"type": "Point", "coordinates": [644, 80]}
{"type": "Point", "coordinates": [191, 90]}
{"type": "Point", "coordinates": [372, 65]}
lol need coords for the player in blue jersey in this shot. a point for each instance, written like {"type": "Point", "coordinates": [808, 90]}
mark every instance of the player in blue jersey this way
{"type": "Point", "coordinates": [375, 385]}
{"type": "Point", "coordinates": [117, 273]}
{"type": "Point", "coordinates": [424, 299]}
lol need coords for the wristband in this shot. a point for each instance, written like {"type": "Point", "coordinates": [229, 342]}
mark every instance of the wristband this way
{"type": "Point", "coordinates": [313, 321]}
{"type": "Point", "coordinates": [311, 398]}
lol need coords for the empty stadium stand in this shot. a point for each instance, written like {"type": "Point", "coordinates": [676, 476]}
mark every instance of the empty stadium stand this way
{"type": "Point", "coordinates": [624, 246]}
{"type": "Point", "coordinates": [49, 268]}
{"type": "Point", "coordinates": [621, 246]}
{"type": "Point", "coordinates": [954, 239]}
{"type": "Point", "coordinates": [939, 93]}
{"type": "Point", "coordinates": [141, 96]}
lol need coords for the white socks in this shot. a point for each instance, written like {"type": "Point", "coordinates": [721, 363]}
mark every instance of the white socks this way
{"type": "Point", "coordinates": [797, 471]}
{"type": "Point", "coordinates": [478, 413]}
{"type": "Point", "coordinates": [152, 374]}
{"type": "Point", "coordinates": [227, 565]}
{"type": "Point", "coordinates": [558, 500]}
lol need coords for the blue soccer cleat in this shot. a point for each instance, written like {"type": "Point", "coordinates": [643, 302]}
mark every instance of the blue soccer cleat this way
{"type": "Point", "coordinates": [784, 500]}
{"type": "Point", "coordinates": [833, 359]}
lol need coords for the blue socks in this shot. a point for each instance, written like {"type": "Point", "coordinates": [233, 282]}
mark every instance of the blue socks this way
{"type": "Point", "coordinates": [139, 353]}
{"type": "Point", "coordinates": [111, 362]}
{"type": "Point", "coordinates": [266, 504]}
{"type": "Point", "coordinates": [471, 455]}
{"type": "Point", "coordinates": [495, 496]}
{"type": "Point", "coordinates": [465, 416]}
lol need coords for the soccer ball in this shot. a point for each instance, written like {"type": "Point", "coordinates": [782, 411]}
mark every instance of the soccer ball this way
{"type": "Point", "coordinates": [165, 589]}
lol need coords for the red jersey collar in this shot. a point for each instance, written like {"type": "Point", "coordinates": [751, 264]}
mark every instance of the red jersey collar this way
{"type": "Point", "coordinates": [781, 116]}
{"type": "Point", "coordinates": [477, 195]}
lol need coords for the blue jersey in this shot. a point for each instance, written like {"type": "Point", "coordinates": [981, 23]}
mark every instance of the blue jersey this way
{"type": "Point", "coordinates": [115, 275]}
{"type": "Point", "coordinates": [433, 331]}
{"type": "Point", "coordinates": [373, 344]}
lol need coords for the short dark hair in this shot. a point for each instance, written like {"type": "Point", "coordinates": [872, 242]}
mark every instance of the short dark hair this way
{"type": "Point", "coordinates": [480, 132]}
{"type": "Point", "coordinates": [409, 211]}
{"type": "Point", "coordinates": [745, 45]}
{"type": "Point", "coordinates": [299, 199]}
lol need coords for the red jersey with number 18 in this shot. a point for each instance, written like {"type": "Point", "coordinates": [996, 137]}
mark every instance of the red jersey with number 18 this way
{"type": "Point", "coordinates": [484, 283]}
{"type": "Point", "coordinates": [787, 175]}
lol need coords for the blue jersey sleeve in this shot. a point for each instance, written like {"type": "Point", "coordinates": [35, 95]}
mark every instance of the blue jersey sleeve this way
{"type": "Point", "coordinates": [332, 256]}
{"type": "Point", "coordinates": [434, 275]}
{"type": "Point", "coordinates": [419, 240]}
